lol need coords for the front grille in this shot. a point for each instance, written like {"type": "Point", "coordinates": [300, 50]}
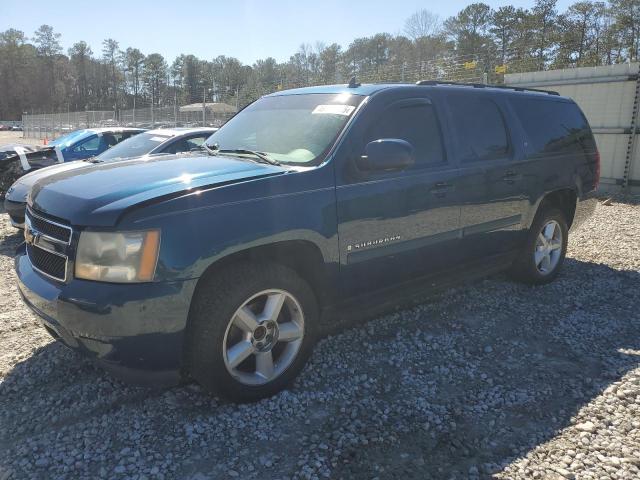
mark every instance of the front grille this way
{"type": "Point", "coordinates": [50, 228]}
{"type": "Point", "coordinates": [49, 263]}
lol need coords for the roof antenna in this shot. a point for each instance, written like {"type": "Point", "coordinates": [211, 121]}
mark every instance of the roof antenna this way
{"type": "Point", "coordinates": [353, 83]}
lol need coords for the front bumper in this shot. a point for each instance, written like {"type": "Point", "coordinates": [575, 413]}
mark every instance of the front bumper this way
{"type": "Point", "coordinates": [15, 211]}
{"type": "Point", "coordinates": [134, 330]}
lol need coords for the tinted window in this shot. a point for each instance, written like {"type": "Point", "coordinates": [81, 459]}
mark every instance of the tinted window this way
{"type": "Point", "coordinates": [185, 144]}
{"type": "Point", "coordinates": [553, 126]}
{"type": "Point", "coordinates": [481, 131]}
{"type": "Point", "coordinates": [417, 124]}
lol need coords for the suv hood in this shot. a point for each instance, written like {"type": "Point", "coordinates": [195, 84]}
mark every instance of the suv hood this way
{"type": "Point", "coordinates": [98, 195]}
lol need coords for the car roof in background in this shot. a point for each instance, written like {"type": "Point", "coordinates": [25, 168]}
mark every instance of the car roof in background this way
{"type": "Point", "coordinates": [114, 129]}
{"type": "Point", "coordinates": [174, 132]}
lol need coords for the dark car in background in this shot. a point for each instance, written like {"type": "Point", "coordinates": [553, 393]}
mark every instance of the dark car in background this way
{"type": "Point", "coordinates": [307, 205]}
{"type": "Point", "coordinates": [149, 143]}
{"type": "Point", "coordinates": [11, 150]}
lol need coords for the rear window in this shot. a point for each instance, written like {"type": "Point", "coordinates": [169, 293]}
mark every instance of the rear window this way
{"type": "Point", "coordinates": [553, 127]}
{"type": "Point", "coordinates": [480, 126]}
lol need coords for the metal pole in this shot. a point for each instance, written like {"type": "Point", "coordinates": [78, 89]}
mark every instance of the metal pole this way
{"type": "Point", "coordinates": [204, 106]}
{"type": "Point", "coordinates": [632, 142]}
{"type": "Point", "coordinates": [175, 105]}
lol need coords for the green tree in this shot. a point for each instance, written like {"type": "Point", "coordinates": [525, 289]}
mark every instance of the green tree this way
{"type": "Point", "coordinates": [80, 57]}
{"type": "Point", "coordinates": [154, 75]}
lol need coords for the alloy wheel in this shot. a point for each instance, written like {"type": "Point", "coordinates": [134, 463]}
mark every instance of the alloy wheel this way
{"type": "Point", "coordinates": [548, 248]}
{"type": "Point", "coordinates": [263, 337]}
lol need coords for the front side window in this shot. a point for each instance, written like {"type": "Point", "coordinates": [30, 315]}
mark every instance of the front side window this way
{"type": "Point", "coordinates": [415, 123]}
{"type": "Point", "coordinates": [91, 144]}
{"type": "Point", "coordinates": [482, 134]}
{"type": "Point", "coordinates": [292, 129]}
{"type": "Point", "coordinates": [135, 146]}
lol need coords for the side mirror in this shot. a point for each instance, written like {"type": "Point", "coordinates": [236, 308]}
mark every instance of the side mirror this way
{"type": "Point", "coordinates": [387, 154]}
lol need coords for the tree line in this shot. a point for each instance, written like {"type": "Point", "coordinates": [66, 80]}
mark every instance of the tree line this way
{"type": "Point", "coordinates": [37, 76]}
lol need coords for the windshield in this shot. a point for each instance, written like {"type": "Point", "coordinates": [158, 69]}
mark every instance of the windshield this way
{"type": "Point", "coordinates": [135, 146]}
{"type": "Point", "coordinates": [293, 129]}
{"type": "Point", "coordinates": [69, 138]}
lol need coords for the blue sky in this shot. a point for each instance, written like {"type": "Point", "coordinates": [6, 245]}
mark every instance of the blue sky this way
{"type": "Point", "coordinates": [246, 29]}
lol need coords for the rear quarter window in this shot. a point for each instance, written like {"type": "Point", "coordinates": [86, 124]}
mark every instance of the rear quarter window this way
{"type": "Point", "coordinates": [553, 127]}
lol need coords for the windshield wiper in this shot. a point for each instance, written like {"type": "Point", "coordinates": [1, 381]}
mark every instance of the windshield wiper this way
{"type": "Point", "coordinates": [259, 155]}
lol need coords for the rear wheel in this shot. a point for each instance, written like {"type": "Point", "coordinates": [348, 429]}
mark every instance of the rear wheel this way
{"type": "Point", "coordinates": [251, 330]}
{"type": "Point", "coordinates": [545, 248]}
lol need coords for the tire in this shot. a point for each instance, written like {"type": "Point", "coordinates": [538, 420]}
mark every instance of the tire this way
{"type": "Point", "coordinates": [527, 268]}
{"type": "Point", "coordinates": [234, 308]}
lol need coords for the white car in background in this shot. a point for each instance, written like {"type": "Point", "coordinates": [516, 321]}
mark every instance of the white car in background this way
{"type": "Point", "coordinates": [162, 141]}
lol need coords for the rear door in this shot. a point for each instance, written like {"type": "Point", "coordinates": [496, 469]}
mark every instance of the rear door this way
{"type": "Point", "coordinates": [492, 180]}
{"type": "Point", "coordinates": [397, 225]}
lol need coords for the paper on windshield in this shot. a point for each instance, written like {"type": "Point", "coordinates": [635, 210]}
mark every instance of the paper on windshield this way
{"type": "Point", "coordinates": [334, 109]}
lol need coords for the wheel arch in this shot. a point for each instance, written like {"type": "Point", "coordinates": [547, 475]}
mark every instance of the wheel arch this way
{"type": "Point", "coordinates": [302, 256]}
{"type": "Point", "coordinates": [564, 199]}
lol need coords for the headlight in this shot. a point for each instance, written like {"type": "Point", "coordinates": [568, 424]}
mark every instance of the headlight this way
{"type": "Point", "coordinates": [124, 257]}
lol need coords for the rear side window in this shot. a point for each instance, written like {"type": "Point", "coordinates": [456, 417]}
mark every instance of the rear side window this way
{"type": "Point", "coordinates": [417, 124]}
{"type": "Point", "coordinates": [480, 126]}
{"type": "Point", "coordinates": [554, 127]}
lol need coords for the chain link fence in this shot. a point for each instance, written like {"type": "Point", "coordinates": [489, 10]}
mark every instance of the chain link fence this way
{"type": "Point", "coordinates": [468, 69]}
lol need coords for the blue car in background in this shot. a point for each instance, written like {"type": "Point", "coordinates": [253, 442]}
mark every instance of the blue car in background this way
{"type": "Point", "coordinates": [80, 144]}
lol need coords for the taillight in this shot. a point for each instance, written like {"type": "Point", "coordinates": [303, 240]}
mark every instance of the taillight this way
{"type": "Point", "coordinates": [596, 182]}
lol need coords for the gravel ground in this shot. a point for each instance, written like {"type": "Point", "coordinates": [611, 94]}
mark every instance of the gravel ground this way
{"type": "Point", "coordinates": [494, 379]}
{"type": "Point", "coordinates": [16, 137]}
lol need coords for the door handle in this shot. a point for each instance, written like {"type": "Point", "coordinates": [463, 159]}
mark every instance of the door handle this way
{"type": "Point", "coordinates": [510, 176]}
{"type": "Point", "coordinates": [441, 189]}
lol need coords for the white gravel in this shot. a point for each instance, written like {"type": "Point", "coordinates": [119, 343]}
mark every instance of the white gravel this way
{"type": "Point", "coordinates": [490, 379]}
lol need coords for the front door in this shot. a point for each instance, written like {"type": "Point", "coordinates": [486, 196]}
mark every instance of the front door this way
{"type": "Point", "coordinates": [396, 225]}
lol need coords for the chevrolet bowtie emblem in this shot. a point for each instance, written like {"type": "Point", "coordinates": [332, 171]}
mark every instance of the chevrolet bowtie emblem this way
{"type": "Point", "coordinates": [30, 236]}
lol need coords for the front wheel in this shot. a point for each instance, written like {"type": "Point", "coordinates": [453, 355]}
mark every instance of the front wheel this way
{"type": "Point", "coordinates": [545, 248]}
{"type": "Point", "coordinates": [251, 330]}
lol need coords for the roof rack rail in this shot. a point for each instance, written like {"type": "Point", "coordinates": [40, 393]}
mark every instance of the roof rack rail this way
{"type": "Point", "coordinates": [482, 85]}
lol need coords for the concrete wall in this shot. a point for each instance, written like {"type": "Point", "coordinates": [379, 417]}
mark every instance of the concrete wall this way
{"type": "Point", "coordinates": [606, 95]}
